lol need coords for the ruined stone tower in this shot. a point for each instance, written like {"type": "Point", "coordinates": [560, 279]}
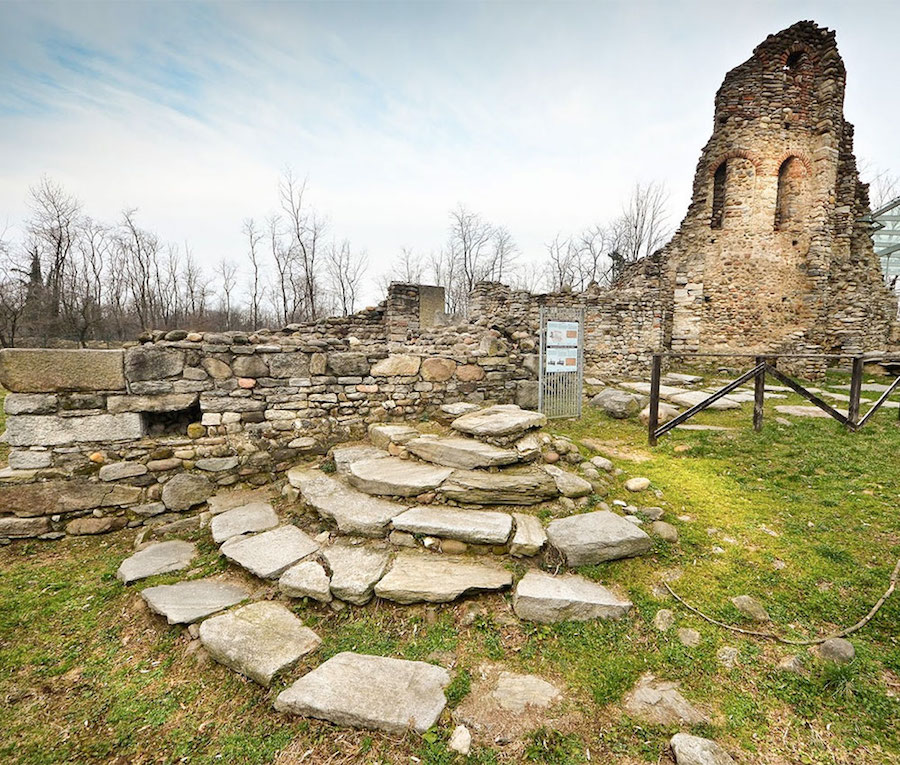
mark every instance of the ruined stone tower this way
{"type": "Point", "coordinates": [772, 254]}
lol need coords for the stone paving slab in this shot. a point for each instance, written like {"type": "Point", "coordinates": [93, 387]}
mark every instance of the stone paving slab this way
{"type": "Point", "coordinates": [269, 554]}
{"type": "Point", "coordinates": [802, 411]}
{"type": "Point", "coordinates": [540, 597]}
{"type": "Point", "coordinates": [694, 397]}
{"type": "Point", "coordinates": [461, 452]}
{"type": "Point", "coordinates": [259, 640]}
{"type": "Point", "coordinates": [383, 435]}
{"type": "Point", "coordinates": [228, 500]}
{"type": "Point", "coordinates": [568, 484]}
{"type": "Point", "coordinates": [530, 536]}
{"type": "Point", "coordinates": [474, 526]}
{"type": "Point", "coordinates": [355, 570]}
{"type": "Point", "coordinates": [249, 519]}
{"type": "Point", "coordinates": [396, 477]}
{"type": "Point", "coordinates": [306, 579]}
{"type": "Point", "coordinates": [344, 456]}
{"type": "Point", "coordinates": [353, 511]}
{"type": "Point", "coordinates": [373, 692]}
{"type": "Point", "coordinates": [520, 486]}
{"type": "Point", "coordinates": [187, 602]}
{"type": "Point", "coordinates": [417, 578]}
{"type": "Point", "coordinates": [159, 558]}
{"type": "Point", "coordinates": [503, 421]}
{"type": "Point", "coordinates": [596, 537]}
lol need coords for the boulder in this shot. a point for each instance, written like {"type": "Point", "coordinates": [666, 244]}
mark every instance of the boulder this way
{"type": "Point", "coordinates": [529, 538]}
{"type": "Point", "coordinates": [249, 519]}
{"type": "Point", "coordinates": [372, 692]}
{"type": "Point", "coordinates": [397, 365]}
{"type": "Point", "coordinates": [259, 640]}
{"type": "Point", "coordinates": [694, 750]}
{"type": "Point", "coordinates": [527, 394]}
{"type": "Point", "coordinates": [416, 578]}
{"type": "Point", "coordinates": [250, 366]}
{"type": "Point", "coordinates": [383, 435]}
{"type": "Point", "coordinates": [664, 531]}
{"type": "Point", "coordinates": [306, 579]}
{"type": "Point", "coordinates": [838, 650]}
{"type": "Point", "coordinates": [596, 537]}
{"type": "Point", "coordinates": [216, 368]}
{"type": "Point", "coordinates": [660, 703]}
{"type": "Point", "coordinates": [460, 452]}
{"type": "Point", "coordinates": [637, 484]}
{"type": "Point", "coordinates": [473, 526]}
{"type": "Point", "coordinates": [396, 477]}
{"type": "Point", "coordinates": [666, 412]}
{"type": "Point", "coordinates": [568, 484]}
{"type": "Point", "coordinates": [437, 369]}
{"type": "Point", "coordinates": [158, 558]}
{"type": "Point", "coordinates": [186, 490]}
{"type": "Point", "coordinates": [355, 570]}
{"type": "Point", "coordinates": [618, 403]}
{"type": "Point", "coordinates": [187, 602]}
{"type": "Point", "coordinates": [269, 554]}
{"type": "Point", "coordinates": [50, 430]}
{"type": "Point", "coordinates": [524, 486]}
{"type": "Point", "coordinates": [540, 597]}
{"type": "Point", "coordinates": [44, 370]}
{"type": "Point", "coordinates": [145, 362]}
{"type": "Point", "coordinates": [504, 422]}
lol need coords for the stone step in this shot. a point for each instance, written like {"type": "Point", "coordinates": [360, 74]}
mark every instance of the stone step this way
{"type": "Point", "coordinates": [540, 597]}
{"type": "Point", "coordinates": [568, 484]}
{"type": "Point", "coordinates": [344, 456]}
{"type": "Point", "coordinates": [529, 538]}
{"type": "Point", "coordinates": [500, 424]}
{"type": "Point", "coordinates": [187, 602]}
{"type": "Point", "coordinates": [474, 526]}
{"type": "Point", "coordinates": [461, 452]}
{"type": "Point", "coordinates": [159, 558]}
{"type": "Point", "coordinates": [596, 537]}
{"type": "Point", "coordinates": [371, 692]}
{"type": "Point", "coordinates": [417, 578]}
{"type": "Point", "coordinates": [228, 500]}
{"type": "Point", "coordinates": [353, 511]}
{"type": "Point", "coordinates": [355, 570]}
{"type": "Point", "coordinates": [249, 519]}
{"type": "Point", "coordinates": [519, 486]}
{"type": "Point", "coordinates": [258, 641]}
{"type": "Point", "coordinates": [269, 554]}
{"type": "Point", "coordinates": [383, 435]}
{"type": "Point", "coordinates": [395, 477]}
{"type": "Point", "coordinates": [306, 579]}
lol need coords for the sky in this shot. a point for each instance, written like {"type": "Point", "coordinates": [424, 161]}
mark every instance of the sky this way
{"type": "Point", "coordinates": [540, 116]}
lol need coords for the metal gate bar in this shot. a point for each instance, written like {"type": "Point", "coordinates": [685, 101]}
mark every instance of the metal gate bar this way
{"type": "Point", "coordinates": [560, 392]}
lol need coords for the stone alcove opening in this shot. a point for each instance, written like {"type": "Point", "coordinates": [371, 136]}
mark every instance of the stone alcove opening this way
{"type": "Point", "coordinates": [170, 423]}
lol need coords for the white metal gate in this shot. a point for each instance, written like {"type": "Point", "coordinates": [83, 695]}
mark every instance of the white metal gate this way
{"type": "Point", "coordinates": [561, 360]}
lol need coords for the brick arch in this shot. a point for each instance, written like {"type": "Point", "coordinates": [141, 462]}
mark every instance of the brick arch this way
{"type": "Point", "coordinates": [799, 155]}
{"type": "Point", "coordinates": [734, 154]}
{"type": "Point", "coordinates": [797, 47]}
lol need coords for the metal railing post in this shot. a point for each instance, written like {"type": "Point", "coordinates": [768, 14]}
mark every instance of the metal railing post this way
{"type": "Point", "coordinates": [759, 394]}
{"type": "Point", "coordinates": [653, 419]}
{"type": "Point", "coordinates": [855, 389]}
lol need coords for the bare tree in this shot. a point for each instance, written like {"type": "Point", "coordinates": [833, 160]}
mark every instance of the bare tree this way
{"type": "Point", "coordinates": [253, 240]}
{"type": "Point", "coordinates": [344, 269]}
{"type": "Point", "coordinates": [306, 229]}
{"type": "Point", "coordinates": [641, 228]}
{"type": "Point", "coordinates": [227, 272]}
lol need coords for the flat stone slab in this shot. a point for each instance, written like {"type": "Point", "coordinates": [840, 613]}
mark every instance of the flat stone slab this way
{"type": "Point", "coordinates": [306, 579]}
{"type": "Point", "coordinates": [521, 486]}
{"type": "Point", "coordinates": [568, 484]}
{"type": "Point", "coordinates": [187, 602]}
{"type": "Point", "coordinates": [355, 570]}
{"type": "Point", "coordinates": [372, 692]}
{"type": "Point", "coordinates": [416, 578]}
{"type": "Point", "coordinates": [344, 456]}
{"type": "Point", "coordinates": [515, 692]}
{"type": "Point", "coordinates": [269, 554]}
{"type": "Point", "coordinates": [802, 411]}
{"type": "Point", "coordinates": [694, 397]}
{"type": "Point", "coordinates": [159, 558]}
{"type": "Point", "coordinates": [383, 435]}
{"type": "Point", "coordinates": [540, 597]}
{"type": "Point", "coordinates": [503, 422]}
{"type": "Point", "coordinates": [459, 408]}
{"type": "Point", "coordinates": [694, 750]}
{"type": "Point", "coordinates": [259, 640]}
{"type": "Point", "coordinates": [228, 500]}
{"type": "Point", "coordinates": [475, 526]}
{"type": "Point", "coordinates": [596, 537]}
{"type": "Point", "coordinates": [396, 477]}
{"type": "Point", "coordinates": [353, 511]}
{"type": "Point", "coordinates": [660, 703]}
{"type": "Point", "coordinates": [249, 519]}
{"type": "Point", "coordinates": [529, 538]}
{"type": "Point", "coordinates": [461, 452]}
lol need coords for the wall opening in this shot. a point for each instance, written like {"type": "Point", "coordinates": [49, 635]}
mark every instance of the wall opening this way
{"type": "Point", "coordinates": [173, 423]}
{"type": "Point", "coordinates": [718, 197]}
{"type": "Point", "coordinates": [794, 61]}
{"type": "Point", "coordinates": [789, 199]}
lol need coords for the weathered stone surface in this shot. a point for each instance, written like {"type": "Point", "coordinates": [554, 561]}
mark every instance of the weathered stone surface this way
{"type": "Point", "coordinates": [526, 486]}
{"type": "Point", "coordinates": [474, 526]}
{"type": "Point", "coordinates": [664, 531]}
{"type": "Point", "coordinates": [344, 456]}
{"type": "Point", "coordinates": [144, 362]}
{"type": "Point", "coordinates": [515, 692]}
{"type": "Point", "coordinates": [186, 490]}
{"type": "Point", "coordinates": [41, 370]}
{"type": "Point", "coordinates": [838, 650]}
{"type": "Point", "coordinates": [460, 740]}
{"type": "Point", "coordinates": [307, 579]}
{"type": "Point", "coordinates": [540, 597]}
{"type": "Point", "coordinates": [91, 525]}
{"type": "Point", "coordinates": [217, 403]}
{"type": "Point", "coordinates": [504, 421]}
{"type": "Point", "coordinates": [637, 484]}
{"type": "Point", "coordinates": [187, 602]}
{"type": "Point", "coordinates": [750, 606]}
{"type": "Point", "coordinates": [21, 528]}
{"type": "Point", "coordinates": [30, 403]}
{"type": "Point", "coordinates": [529, 537]}
{"type": "Point", "coordinates": [26, 459]}
{"type": "Point", "coordinates": [250, 366]}
{"type": "Point", "coordinates": [418, 578]}
{"type": "Point", "coordinates": [168, 402]}
{"type": "Point", "coordinates": [288, 365]}
{"type": "Point", "coordinates": [802, 411]}
{"type": "Point", "coordinates": [228, 500]}
{"type": "Point", "coordinates": [438, 369]}
{"type": "Point", "coordinates": [396, 477]}
{"type": "Point", "coordinates": [460, 452]}
{"type": "Point", "coordinates": [666, 412]}
{"type": "Point", "coordinates": [693, 750]}
{"type": "Point", "coordinates": [249, 519]}
{"type": "Point", "coordinates": [51, 497]}
{"type": "Point", "coordinates": [618, 403]}
{"type": "Point", "coordinates": [459, 408]}
{"type": "Point", "coordinates": [355, 570]}
{"type": "Point", "coordinates": [469, 373]}
{"type": "Point", "coordinates": [688, 637]}
{"type": "Point", "coordinates": [568, 484]}
{"type": "Point", "coordinates": [118, 470]}
{"type": "Point", "coordinates": [370, 692]}
{"type": "Point", "coordinates": [660, 703]}
{"type": "Point", "coordinates": [383, 435]}
{"type": "Point", "coordinates": [216, 368]}
{"type": "Point", "coordinates": [694, 397]}
{"type": "Point", "coordinates": [353, 511]}
{"type": "Point", "coordinates": [397, 365]}
{"type": "Point", "coordinates": [159, 558]}
{"type": "Point", "coordinates": [348, 364]}
{"type": "Point", "coordinates": [49, 430]}
{"type": "Point", "coordinates": [596, 537]}
{"type": "Point", "coordinates": [217, 464]}
{"type": "Point", "coordinates": [664, 619]}
{"type": "Point", "coordinates": [527, 394]}
{"type": "Point", "coordinates": [258, 640]}
{"type": "Point", "coordinates": [269, 554]}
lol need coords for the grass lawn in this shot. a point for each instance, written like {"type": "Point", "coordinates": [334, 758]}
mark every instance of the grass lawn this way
{"type": "Point", "coordinates": [804, 517]}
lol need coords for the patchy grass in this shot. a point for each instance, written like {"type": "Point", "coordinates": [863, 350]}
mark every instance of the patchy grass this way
{"type": "Point", "coordinates": [805, 516]}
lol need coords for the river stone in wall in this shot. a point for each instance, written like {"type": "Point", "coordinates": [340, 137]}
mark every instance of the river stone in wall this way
{"type": "Point", "coordinates": [596, 537]}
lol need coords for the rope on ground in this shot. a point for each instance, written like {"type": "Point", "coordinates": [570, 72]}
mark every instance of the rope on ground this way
{"type": "Point", "coordinates": [787, 641]}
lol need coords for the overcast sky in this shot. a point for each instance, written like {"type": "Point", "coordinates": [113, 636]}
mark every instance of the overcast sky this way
{"type": "Point", "coordinates": [540, 116]}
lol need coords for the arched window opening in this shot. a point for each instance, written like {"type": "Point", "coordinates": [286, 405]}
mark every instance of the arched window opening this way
{"type": "Point", "coordinates": [789, 199]}
{"type": "Point", "coordinates": [718, 197]}
{"type": "Point", "coordinates": [793, 61]}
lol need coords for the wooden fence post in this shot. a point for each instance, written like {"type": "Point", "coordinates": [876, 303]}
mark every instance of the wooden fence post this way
{"type": "Point", "coordinates": [855, 389]}
{"type": "Point", "coordinates": [653, 419]}
{"type": "Point", "coordinates": [759, 394]}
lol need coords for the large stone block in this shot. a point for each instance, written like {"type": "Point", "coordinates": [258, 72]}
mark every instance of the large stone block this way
{"type": "Point", "coordinates": [168, 402]}
{"type": "Point", "coordinates": [144, 362]}
{"type": "Point", "coordinates": [48, 430]}
{"type": "Point", "coordinates": [43, 370]}
{"type": "Point", "coordinates": [289, 365]}
{"type": "Point", "coordinates": [30, 403]}
{"type": "Point", "coordinates": [397, 365]}
{"type": "Point", "coordinates": [348, 364]}
{"type": "Point", "coordinates": [31, 500]}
